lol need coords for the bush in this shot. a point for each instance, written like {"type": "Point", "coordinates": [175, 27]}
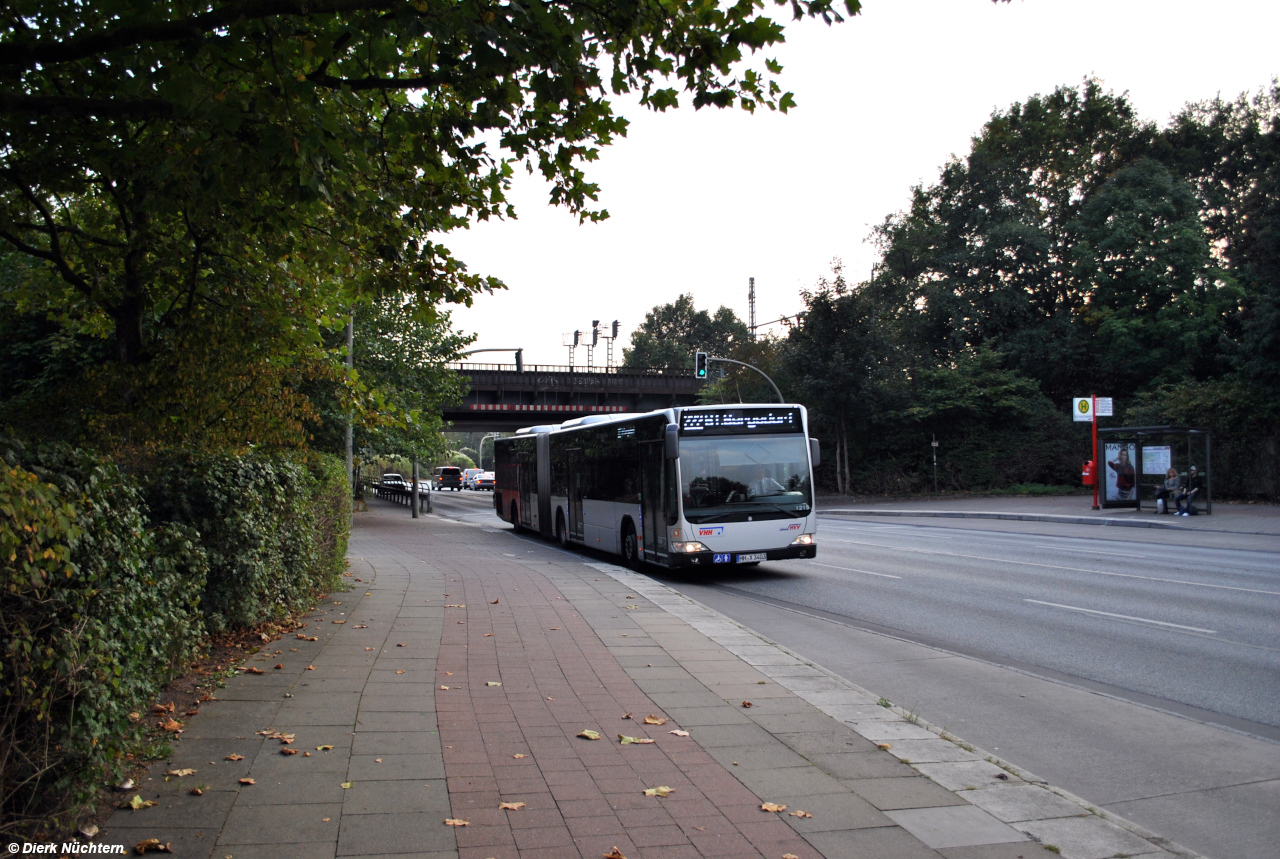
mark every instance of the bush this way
{"type": "Point", "coordinates": [95, 611]}
{"type": "Point", "coordinates": [274, 527]}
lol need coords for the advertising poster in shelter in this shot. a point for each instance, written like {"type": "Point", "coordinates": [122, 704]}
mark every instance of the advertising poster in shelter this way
{"type": "Point", "coordinates": [1120, 476]}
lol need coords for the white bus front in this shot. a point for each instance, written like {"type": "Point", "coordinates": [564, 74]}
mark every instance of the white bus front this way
{"type": "Point", "coordinates": [746, 487]}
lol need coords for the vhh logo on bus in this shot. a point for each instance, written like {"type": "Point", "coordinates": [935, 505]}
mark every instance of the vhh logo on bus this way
{"type": "Point", "coordinates": [711, 532]}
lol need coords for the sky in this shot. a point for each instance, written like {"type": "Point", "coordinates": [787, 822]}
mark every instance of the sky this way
{"type": "Point", "coordinates": [701, 201]}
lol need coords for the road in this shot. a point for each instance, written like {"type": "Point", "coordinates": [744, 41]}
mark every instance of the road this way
{"type": "Point", "coordinates": [1139, 674]}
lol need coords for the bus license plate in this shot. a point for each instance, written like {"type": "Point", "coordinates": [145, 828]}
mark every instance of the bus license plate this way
{"type": "Point", "coordinates": [722, 559]}
{"type": "Point", "coordinates": [754, 556]}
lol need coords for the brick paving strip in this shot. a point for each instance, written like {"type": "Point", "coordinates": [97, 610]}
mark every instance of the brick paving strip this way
{"type": "Point", "coordinates": [402, 684]}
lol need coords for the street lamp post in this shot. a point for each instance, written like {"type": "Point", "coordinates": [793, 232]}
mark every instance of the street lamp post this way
{"type": "Point", "coordinates": [750, 367]}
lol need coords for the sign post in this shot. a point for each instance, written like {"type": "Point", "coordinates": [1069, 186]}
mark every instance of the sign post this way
{"type": "Point", "coordinates": [1086, 409]}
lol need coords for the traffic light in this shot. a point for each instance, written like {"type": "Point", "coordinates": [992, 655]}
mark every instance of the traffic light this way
{"type": "Point", "coordinates": [577, 337]}
{"type": "Point", "coordinates": [519, 360]}
{"type": "Point", "coordinates": [615, 329]}
{"type": "Point", "coordinates": [595, 336]}
{"type": "Point", "coordinates": [700, 365]}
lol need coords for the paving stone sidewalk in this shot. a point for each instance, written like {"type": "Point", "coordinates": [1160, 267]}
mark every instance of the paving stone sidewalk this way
{"type": "Point", "coordinates": [454, 679]}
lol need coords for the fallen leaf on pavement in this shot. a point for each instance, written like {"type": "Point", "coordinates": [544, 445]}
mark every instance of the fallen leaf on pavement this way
{"type": "Point", "coordinates": [234, 757]}
{"type": "Point", "coordinates": [195, 791]}
{"type": "Point", "coordinates": [324, 748]}
{"type": "Point", "coordinates": [138, 803]}
{"type": "Point", "coordinates": [135, 716]}
{"type": "Point", "coordinates": [402, 644]}
{"type": "Point", "coordinates": [488, 635]}
{"type": "Point", "coordinates": [152, 845]}
{"type": "Point", "coordinates": [368, 649]}
{"type": "Point", "coordinates": [492, 683]}
{"type": "Point", "coordinates": [510, 806]}
{"type": "Point", "coordinates": [455, 605]}
{"type": "Point", "coordinates": [161, 709]}
{"type": "Point", "coordinates": [615, 853]}
{"type": "Point", "coordinates": [247, 781]}
{"type": "Point", "coordinates": [630, 597]}
{"type": "Point", "coordinates": [347, 785]}
{"type": "Point", "coordinates": [661, 790]}
{"type": "Point", "coordinates": [444, 688]}
{"type": "Point", "coordinates": [454, 821]}
{"type": "Point", "coordinates": [800, 814]}
{"type": "Point", "coordinates": [192, 713]}
{"type": "Point", "coordinates": [555, 628]}
{"type": "Point", "coordinates": [884, 746]}
{"type": "Point", "coordinates": [88, 830]}
{"type": "Point", "coordinates": [772, 806]}
{"type": "Point", "coordinates": [654, 720]}
{"type": "Point", "coordinates": [182, 773]}
{"type": "Point", "coordinates": [518, 757]}
{"type": "Point", "coordinates": [284, 738]}
{"type": "Point", "coordinates": [679, 733]}
{"type": "Point", "coordinates": [790, 856]}
{"type": "Point", "coordinates": [325, 819]}
{"type": "Point", "coordinates": [171, 726]}
{"type": "Point", "coordinates": [495, 602]}
{"type": "Point", "coordinates": [400, 671]}
{"type": "Point", "coordinates": [206, 697]}
{"type": "Point", "coordinates": [251, 670]}
{"type": "Point", "coordinates": [626, 715]}
{"type": "Point", "coordinates": [361, 626]}
{"type": "Point", "coordinates": [747, 704]}
{"type": "Point", "coordinates": [281, 665]}
{"type": "Point", "coordinates": [125, 785]}
{"type": "Point", "coordinates": [288, 751]}
{"type": "Point", "coordinates": [448, 673]}
{"type": "Point", "coordinates": [338, 621]}
{"type": "Point", "coordinates": [589, 734]}
{"type": "Point", "coordinates": [626, 741]}
{"type": "Point", "coordinates": [632, 607]}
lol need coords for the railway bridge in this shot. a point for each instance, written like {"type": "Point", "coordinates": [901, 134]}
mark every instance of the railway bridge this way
{"type": "Point", "coordinates": [503, 397]}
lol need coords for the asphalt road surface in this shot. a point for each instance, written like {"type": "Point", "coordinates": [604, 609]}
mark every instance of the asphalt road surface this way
{"type": "Point", "coordinates": [1141, 675]}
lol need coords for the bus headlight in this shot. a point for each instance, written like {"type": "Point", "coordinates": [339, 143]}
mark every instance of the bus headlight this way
{"type": "Point", "coordinates": [803, 540]}
{"type": "Point", "coordinates": [689, 548]}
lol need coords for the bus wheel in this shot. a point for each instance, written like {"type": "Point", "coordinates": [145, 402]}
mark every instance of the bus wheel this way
{"type": "Point", "coordinates": [562, 533]}
{"type": "Point", "coordinates": [630, 549]}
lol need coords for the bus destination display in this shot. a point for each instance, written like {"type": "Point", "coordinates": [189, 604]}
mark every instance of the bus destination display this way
{"type": "Point", "coordinates": [741, 421]}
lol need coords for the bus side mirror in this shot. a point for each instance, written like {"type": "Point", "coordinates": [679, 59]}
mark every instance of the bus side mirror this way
{"type": "Point", "coordinates": [671, 442]}
{"type": "Point", "coordinates": [814, 456]}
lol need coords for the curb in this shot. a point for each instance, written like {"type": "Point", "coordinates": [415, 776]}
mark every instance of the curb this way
{"type": "Point", "coordinates": [668, 598]}
{"type": "Point", "coordinates": [1058, 518]}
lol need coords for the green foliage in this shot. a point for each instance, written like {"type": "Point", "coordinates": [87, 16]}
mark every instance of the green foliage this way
{"type": "Point", "coordinates": [223, 179]}
{"type": "Point", "coordinates": [671, 333]}
{"type": "Point", "coordinates": [273, 525]}
{"type": "Point", "coordinates": [1075, 249]}
{"type": "Point", "coordinates": [460, 460]}
{"type": "Point", "coordinates": [95, 610]}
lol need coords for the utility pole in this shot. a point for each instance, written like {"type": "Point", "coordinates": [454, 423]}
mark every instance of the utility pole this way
{"type": "Point", "coordinates": [413, 490]}
{"type": "Point", "coordinates": [351, 476]}
{"type": "Point", "coordinates": [751, 307]}
{"type": "Point", "coordinates": [935, 463]}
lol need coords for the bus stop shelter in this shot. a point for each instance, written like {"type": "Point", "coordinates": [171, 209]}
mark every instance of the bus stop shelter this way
{"type": "Point", "coordinates": [1151, 458]}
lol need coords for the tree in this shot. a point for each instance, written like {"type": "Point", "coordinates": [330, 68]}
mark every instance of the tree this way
{"type": "Point", "coordinates": [173, 163]}
{"type": "Point", "coordinates": [842, 363]}
{"type": "Point", "coordinates": [672, 333]}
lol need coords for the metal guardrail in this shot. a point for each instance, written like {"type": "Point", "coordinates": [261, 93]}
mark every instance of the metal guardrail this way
{"type": "Point", "coordinates": [402, 495]}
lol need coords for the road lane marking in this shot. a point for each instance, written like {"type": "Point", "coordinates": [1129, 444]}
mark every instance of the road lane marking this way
{"type": "Point", "coordinates": [1123, 616]}
{"type": "Point", "coordinates": [1058, 567]}
{"type": "Point", "coordinates": [1072, 550]}
{"type": "Point", "coordinates": [852, 570]}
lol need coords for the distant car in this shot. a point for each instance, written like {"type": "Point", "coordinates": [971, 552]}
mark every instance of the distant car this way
{"type": "Point", "coordinates": [469, 477]}
{"type": "Point", "coordinates": [394, 478]}
{"type": "Point", "coordinates": [447, 477]}
{"type": "Point", "coordinates": [485, 481]}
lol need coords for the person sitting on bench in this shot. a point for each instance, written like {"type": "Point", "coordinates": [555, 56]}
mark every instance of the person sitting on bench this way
{"type": "Point", "coordinates": [1190, 489]}
{"type": "Point", "coordinates": [1165, 494]}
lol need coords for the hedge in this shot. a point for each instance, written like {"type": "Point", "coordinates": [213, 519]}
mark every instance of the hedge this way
{"type": "Point", "coordinates": [109, 580]}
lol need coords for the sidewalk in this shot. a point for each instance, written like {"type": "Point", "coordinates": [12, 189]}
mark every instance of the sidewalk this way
{"type": "Point", "coordinates": [1228, 517]}
{"type": "Point", "coordinates": [452, 685]}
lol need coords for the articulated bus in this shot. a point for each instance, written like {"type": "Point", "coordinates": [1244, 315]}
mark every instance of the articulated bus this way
{"type": "Point", "coordinates": [683, 487]}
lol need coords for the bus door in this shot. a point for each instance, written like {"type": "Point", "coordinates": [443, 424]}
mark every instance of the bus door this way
{"type": "Point", "coordinates": [575, 493]}
{"type": "Point", "coordinates": [652, 532]}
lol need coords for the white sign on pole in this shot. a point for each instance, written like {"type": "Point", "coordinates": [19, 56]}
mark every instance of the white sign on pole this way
{"type": "Point", "coordinates": [1155, 460]}
{"type": "Point", "coordinates": [1103, 408]}
{"type": "Point", "coordinates": [1082, 409]}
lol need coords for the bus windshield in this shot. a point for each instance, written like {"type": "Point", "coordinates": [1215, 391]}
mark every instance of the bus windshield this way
{"type": "Point", "coordinates": [731, 478]}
